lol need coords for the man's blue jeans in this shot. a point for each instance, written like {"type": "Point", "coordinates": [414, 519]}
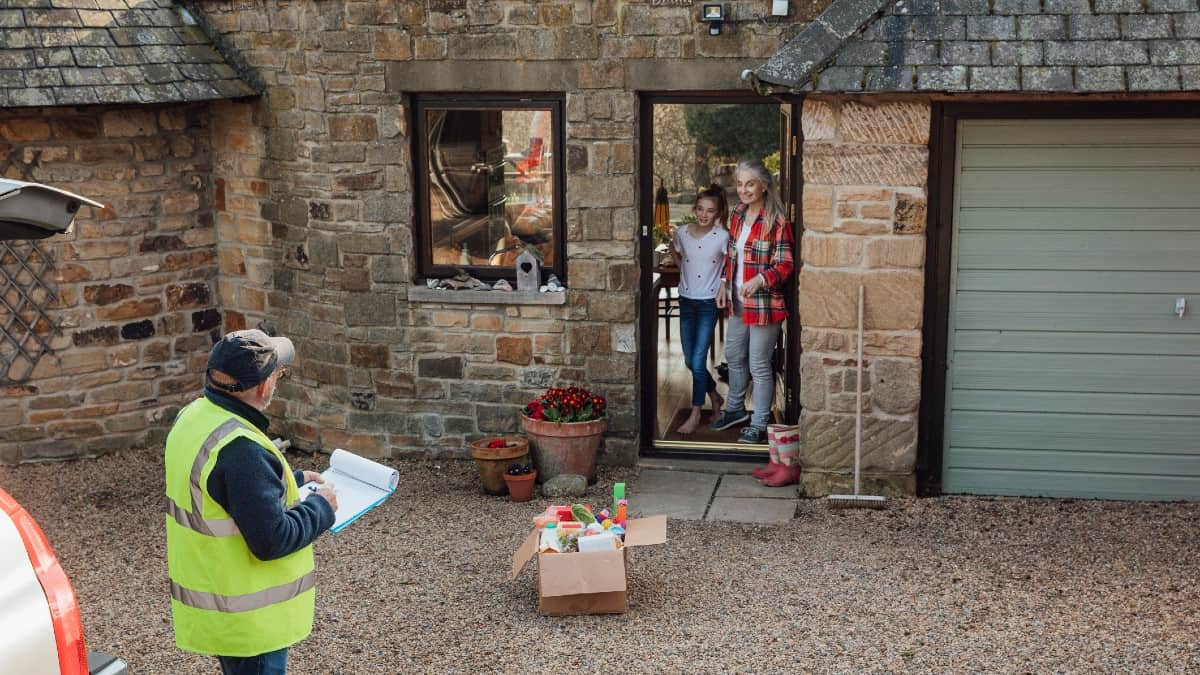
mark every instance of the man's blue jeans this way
{"type": "Point", "coordinates": [271, 663]}
{"type": "Point", "coordinates": [697, 320]}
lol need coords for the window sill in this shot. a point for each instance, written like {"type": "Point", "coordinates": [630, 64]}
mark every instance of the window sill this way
{"type": "Point", "coordinates": [449, 297]}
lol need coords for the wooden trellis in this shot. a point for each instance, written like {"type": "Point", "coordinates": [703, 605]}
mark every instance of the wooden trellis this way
{"type": "Point", "coordinates": [25, 297]}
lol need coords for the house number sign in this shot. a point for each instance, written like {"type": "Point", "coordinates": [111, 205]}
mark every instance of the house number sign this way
{"type": "Point", "coordinates": [446, 5]}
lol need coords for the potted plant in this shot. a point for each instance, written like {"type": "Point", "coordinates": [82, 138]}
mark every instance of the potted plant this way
{"type": "Point", "coordinates": [565, 427]}
{"type": "Point", "coordinates": [520, 479]}
{"type": "Point", "coordinates": [492, 456]}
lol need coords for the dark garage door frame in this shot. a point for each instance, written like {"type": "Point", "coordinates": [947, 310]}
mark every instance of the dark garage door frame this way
{"type": "Point", "coordinates": [939, 245]}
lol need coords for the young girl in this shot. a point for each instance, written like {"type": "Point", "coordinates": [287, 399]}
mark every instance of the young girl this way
{"type": "Point", "coordinates": [699, 250]}
{"type": "Point", "coordinates": [758, 265]}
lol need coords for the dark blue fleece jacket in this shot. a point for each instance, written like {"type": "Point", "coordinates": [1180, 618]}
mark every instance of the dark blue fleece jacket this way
{"type": "Point", "coordinates": [245, 481]}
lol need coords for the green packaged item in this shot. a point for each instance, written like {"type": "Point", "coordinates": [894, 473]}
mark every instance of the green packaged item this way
{"type": "Point", "coordinates": [582, 514]}
{"type": "Point", "coordinates": [618, 493]}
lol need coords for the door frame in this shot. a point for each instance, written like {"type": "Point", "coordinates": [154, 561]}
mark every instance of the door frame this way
{"type": "Point", "coordinates": [647, 309]}
{"type": "Point", "coordinates": [939, 227]}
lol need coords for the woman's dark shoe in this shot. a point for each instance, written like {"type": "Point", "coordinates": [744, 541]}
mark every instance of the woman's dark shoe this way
{"type": "Point", "coordinates": [729, 419]}
{"type": "Point", "coordinates": [753, 436]}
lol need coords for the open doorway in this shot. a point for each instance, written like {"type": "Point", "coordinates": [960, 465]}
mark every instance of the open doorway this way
{"type": "Point", "coordinates": [689, 142]}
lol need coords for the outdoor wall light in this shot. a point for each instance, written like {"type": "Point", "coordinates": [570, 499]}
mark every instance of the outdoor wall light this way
{"type": "Point", "coordinates": [713, 13]}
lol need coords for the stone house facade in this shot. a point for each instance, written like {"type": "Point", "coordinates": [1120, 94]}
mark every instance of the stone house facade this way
{"type": "Point", "coordinates": [302, 215]}
{"type": "Point", "coordinates": [305, 206]}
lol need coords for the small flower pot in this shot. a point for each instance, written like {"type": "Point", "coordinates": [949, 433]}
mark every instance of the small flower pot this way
{"type": "Point", "coordinates": [491, 462]}
{"type": "Point", "coordinates": [520, 487]}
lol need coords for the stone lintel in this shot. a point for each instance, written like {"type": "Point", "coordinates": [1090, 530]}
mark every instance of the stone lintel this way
{"type": "Point", "coordinates": [481, 75]}
{"type": "Point", "coordinates": [704, 74]}
{"type": "Point", "coordinates": [700, 74]}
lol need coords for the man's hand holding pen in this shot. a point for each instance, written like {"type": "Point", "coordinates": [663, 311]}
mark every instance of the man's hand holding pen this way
{"type": "Point", "coordinates": [326, 491]}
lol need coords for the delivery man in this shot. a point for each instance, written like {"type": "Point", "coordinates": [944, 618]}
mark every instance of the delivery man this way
{"type": "Point", "coordinates": [239, 536]}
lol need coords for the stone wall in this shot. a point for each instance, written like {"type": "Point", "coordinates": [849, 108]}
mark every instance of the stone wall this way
{"type": "Point", "coordinates": [865, 170]}
{"type": "Point", "coordinates": [134, 281]}
{"type": "Point", "coordinates": [383, 369]}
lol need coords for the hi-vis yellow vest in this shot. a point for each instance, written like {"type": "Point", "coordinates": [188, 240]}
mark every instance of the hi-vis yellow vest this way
{"type": "Point", "coordinates": [224, 601]}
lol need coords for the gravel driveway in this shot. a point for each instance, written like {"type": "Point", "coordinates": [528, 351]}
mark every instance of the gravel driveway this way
{"type": "Point", "coordinates": [421, 583]}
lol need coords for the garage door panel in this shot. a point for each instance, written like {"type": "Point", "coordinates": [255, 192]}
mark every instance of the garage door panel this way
{"type": "Point", "coordinates": [1079, 189]}
{"type": "Point", "coordinates": [1094, 403]}
{"type": "Point", "coordinates": [1139, 464]}
{"type": "Point", "coordinates": [1012, 217]}
{"type": "Point", "coordinates": [1065, 157]}
{"type": "Point", "coordinates": [1068, 484]}
{"type": "Point", "coordinates": [1076, 312]}
{"type": "Point", "coordinates": [1008, 340]}
{"type": "Point", "coordinates": [1080, 433]}
{"type": "Point", "coordinates": [1069, 372]}
{"type": "Point", "coordinates": [1080, 250]}
{"type": "Point", "coordinates": [1058, 133]}
{"type": "Point", "coordinates": [1078, 281]}
{"type": "Point", "coordinates": [1075, 372]}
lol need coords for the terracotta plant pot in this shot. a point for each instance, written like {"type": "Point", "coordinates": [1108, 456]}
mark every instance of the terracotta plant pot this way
{"type": "Point", "coordinates": [520, 488]}
{"type": "Point", "coordinates": [564, 447]}
{"type": "Point", "coordinates": [491, 462]}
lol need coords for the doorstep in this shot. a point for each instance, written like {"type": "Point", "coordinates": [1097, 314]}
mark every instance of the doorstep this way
{"type": "Point", "coordinates": [697, 465]}
{"type": "Point", "coordinates": [714, 491]}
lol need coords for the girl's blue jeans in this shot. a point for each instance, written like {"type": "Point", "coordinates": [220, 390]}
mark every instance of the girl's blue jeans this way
{"type": "Point", "coordinates": [697, 320]}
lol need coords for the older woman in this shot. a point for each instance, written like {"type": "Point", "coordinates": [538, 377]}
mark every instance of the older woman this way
{"type": "Point", "coordinates": [759, 263]}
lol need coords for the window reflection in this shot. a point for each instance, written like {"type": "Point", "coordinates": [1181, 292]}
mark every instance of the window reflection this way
{"type": "Point", "coordinates": [491, 185]}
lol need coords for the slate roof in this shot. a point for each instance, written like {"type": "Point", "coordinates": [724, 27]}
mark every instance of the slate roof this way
{"type": "Point", "coordinates": [1078, 46]}
{"type": "Point", "coordinates": [77, 52]}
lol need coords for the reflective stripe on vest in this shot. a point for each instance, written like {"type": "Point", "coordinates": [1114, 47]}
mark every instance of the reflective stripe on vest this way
{"type": "Point", "coordinates": [247, 602]}
{"type": "Point", "coordinates": [213, 527]}
{"type": "Point", "coordinates": [216, 527]}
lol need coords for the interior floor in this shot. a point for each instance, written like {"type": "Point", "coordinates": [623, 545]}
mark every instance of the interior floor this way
{"type": "Point", "coordinates": [675, 390]}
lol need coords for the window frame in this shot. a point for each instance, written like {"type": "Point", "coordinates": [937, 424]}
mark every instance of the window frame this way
{"type": "Point", "coordinates": [422, 218]}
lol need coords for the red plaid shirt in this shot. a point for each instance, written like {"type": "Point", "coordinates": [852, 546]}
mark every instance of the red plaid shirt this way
{"type": "Point", "coordinates": [767, 253]}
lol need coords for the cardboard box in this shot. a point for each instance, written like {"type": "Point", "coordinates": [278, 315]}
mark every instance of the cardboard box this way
{"type": "Point", "coordinates": [587, 583]}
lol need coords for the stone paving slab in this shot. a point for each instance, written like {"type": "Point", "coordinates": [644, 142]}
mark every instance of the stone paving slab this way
{"type": "Point", "coordinates": [750, 510]}
{"type": "Point", "coordinates": [749, 486]}
{"type": "Point", "coordinates": [675, 482]}
{"type": "Point", "coordinates": [678, 494]}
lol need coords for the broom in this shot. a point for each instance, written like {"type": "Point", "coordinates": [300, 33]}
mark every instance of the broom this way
{"type": "Point", "coordinates": [857, 501]}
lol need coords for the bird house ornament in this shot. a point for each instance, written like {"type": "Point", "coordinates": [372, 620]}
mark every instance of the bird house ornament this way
{"type": "Point", "coordinates": [529, 273]}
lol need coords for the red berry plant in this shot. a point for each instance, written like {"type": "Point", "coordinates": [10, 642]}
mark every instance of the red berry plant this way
{"type": "Point", "coordinates": [573, 404]}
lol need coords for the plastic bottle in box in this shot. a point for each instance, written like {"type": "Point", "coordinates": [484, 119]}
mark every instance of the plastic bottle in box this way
{"type": "Point", "coordinates": [549, 541]}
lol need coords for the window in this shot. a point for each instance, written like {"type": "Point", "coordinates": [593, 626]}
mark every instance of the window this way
{"type": "Point", "coordinates": [489, 184]}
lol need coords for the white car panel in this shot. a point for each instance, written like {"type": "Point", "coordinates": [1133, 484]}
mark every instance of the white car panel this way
{"type": "Point", "coordinates": [26, 631]}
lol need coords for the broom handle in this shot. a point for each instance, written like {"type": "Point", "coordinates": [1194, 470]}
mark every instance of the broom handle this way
{"type": "Point", "coordinates": [858, 393]}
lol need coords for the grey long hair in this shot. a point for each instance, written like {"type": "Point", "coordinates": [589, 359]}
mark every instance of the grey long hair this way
{"type": "Point", "coordinates": [772, 206]}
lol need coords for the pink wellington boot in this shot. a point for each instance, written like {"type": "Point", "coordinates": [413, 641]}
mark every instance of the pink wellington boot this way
{"type": "Point", "coordinates": [768, 470]}
{"type": "Point", "coordinates": [784, 475]}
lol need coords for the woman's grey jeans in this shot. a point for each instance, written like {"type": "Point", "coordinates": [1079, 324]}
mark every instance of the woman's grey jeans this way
{"type": "Point", "coordinates": [748, 352]}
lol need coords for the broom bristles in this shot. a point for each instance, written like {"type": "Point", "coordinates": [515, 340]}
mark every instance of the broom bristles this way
{"type": "Point", "coordinates": [857, 502]}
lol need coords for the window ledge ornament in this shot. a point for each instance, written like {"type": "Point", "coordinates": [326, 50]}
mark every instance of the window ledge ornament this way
{"type": "Point", "coordinates": [477, 297]}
